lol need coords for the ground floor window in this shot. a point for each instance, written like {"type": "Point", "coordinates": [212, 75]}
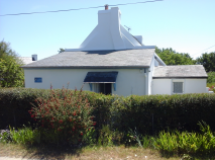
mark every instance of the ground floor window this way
{"type": "Point", "coordinates": [178, 86]}
{"type": "Point", "coordinates": [105, 88]}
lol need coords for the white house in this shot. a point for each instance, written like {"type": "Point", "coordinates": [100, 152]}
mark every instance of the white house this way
{"type": "Point", "coordinates": [112, 61]}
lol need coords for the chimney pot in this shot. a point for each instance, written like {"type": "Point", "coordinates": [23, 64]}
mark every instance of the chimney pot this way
{"type": "Point", "coordinates": [106, 7]}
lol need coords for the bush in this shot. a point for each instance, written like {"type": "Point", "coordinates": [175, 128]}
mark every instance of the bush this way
{"type": "Point", "coordinates": [25, 135]}
{"type": "Point", "coordinates": [211, 77]}
{"type": "Point", "coordinates": [211, 86]}
{"type": "Point", "coordinates": [15, 103]}
{"type": "Point", "coordinates": [149, 114]}
{"type": "Point", "coordinates": [66, 112]}
{"type": "Point", "coordinates": [187, 143]}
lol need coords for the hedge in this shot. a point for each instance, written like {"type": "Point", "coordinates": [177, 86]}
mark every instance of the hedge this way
{"type": "Point", "coordinates": [148, 114]}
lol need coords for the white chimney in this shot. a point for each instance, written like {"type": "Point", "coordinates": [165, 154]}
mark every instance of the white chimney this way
{"type": "Point", "coordinates": [139, 38]}
{"type": "Point", "coordinates": [109, 34]}
{"type": "Point", "coordinates": [34, 57]}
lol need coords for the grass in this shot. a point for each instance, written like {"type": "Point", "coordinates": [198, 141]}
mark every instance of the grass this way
{"type": "Point", "coordinates": [84, 153]}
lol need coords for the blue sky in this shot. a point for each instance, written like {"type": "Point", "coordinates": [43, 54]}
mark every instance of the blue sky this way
{"type": "Point", "coordinates": [187, 26]}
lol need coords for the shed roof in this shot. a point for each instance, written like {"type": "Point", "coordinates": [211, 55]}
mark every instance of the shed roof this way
{"type": "Point", "coordinates": [181, 71]}
{"type": "Point", "coordinates": [97, 59]}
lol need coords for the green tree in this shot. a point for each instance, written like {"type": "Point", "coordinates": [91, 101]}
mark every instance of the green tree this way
{"type": "Point", "coordinates": [61, 50]}
{"type": "Point", "coordinates": [171, 57]}
{"type": "Point", "coordinates": [208, 61]}
{"type": "Point", "coordinates": [11, 75]}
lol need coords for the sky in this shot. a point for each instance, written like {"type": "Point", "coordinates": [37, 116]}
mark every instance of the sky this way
{"type": "Point", "coordinates": [186, 26]}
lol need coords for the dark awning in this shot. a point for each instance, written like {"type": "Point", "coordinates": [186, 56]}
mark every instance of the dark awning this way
{"type": "Point", "coordinates": [101, 77]}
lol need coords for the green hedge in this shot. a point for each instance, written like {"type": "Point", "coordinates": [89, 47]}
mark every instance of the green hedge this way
{"type": "Point", "coordinates": [149, 114]}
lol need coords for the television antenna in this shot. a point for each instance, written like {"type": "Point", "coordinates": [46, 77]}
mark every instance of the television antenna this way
{"type": "Point", "coordinates": [128, 28]}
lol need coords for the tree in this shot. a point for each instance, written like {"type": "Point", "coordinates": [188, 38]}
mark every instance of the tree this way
{"type": "Point", "coordinates": [170, 57]}
{"type": "Point", "coordinates": [208, 61]}
{"type": "Point", "coordinates": [11, 75]}
{"type": "Point", "coordinates": [61, 50]}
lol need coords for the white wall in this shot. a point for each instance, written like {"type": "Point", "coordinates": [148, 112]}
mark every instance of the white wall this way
{"type": "Point", "coordinates": [150, 74]}
{"type": "Point", "coordinates": [161, 86]}
{"type": "Point", "coordinates": [164, 86]}
{"type": "Point", "coordinates": [195, 85]}
{"type": "Point", "coordinates": [129, 81]}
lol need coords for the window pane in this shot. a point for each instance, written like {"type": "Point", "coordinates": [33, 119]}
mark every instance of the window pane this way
{"type": "Point", "coordinates": [177, 87]}
{"type": "Point", "coordinates": [38, 80]}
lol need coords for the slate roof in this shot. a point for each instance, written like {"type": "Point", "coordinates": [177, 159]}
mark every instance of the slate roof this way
{"type": "Point", "coordinates": [180, 71]}
{"type": "Point", "coordinates": [97, 77]}
{"type": "Point", "coordinates": [97, 59]}
{"type": "Point", "coordinates": [26, 60]}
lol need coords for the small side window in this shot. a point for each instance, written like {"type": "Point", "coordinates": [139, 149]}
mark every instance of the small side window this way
{"type": "Point", "coordinates": [177, 87]}
{"type": "Point", "coordinates": [38, 80]}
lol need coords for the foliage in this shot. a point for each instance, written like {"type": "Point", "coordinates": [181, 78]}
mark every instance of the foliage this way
{"type": "Point", "coordinates": [149, 114]}
{"type": "Point", "coordinates": [25, 135]}
{"type": "Point", "coordinates": [65, 112]}
{"type": "Point", "coordinates": [211, 77]}
{"type": "Point", "coordinates": [211, 87]}
{"type": "Point", "coordinates": [187, 143]}
{"type": "Point", "coordinates": [15, 103]}
{"type": "Point", "coordinates": [11, 75]}
{"type": "Point", "coordinates": [5, 137]}
{"type": "Point", "coordinates": [90, 137]}
{"type": "Point", "coordinates": [61, 50]}
{"type": "Point", "coordinates": [207, 60]}
{"type": "Point", "coordinates": [171, 57]}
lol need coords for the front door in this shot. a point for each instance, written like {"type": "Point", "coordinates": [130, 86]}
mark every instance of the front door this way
{"type": "Point", "coordinates": [105, 88]}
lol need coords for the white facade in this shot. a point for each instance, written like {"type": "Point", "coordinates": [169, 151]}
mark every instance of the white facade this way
{"type": "Point", "coordinates": [129, 81]}
{"type": "Point", "coordinates": [165, 86]}
{"type": "Point", "coordinates": [136, 69]}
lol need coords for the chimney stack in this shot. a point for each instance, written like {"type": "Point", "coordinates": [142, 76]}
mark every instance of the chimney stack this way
{"type": "Point", "coordinates": [34, 57]}
{"type": "Point", "coordinates": [106, 7]}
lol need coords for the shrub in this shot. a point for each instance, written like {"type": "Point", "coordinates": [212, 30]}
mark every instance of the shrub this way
{"type": "Point", "coordinates": [187, 143]}
{"type": "Point", "coordinates": [25, 135]}
{"type": "Point", "coordinates": [211, 77]}
{"type": "Point", "coordinates": [15, 103]}
{"type": "Point", "coordinates": [211, 86]}
{"type": "Point", "coordinates": [149, 114]}
{"type": "Point", "coordinates": [65, 112]}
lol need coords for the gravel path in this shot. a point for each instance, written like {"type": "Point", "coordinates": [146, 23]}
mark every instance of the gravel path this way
{"type": "Point", "coordinates": [6, 158]}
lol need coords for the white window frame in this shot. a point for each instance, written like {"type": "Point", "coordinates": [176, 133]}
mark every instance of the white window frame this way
{"type": "Point", "coordinates": [183, 85]}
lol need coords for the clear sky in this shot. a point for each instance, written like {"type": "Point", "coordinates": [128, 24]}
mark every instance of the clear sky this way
{"type": "Point", "coordinates": [187, 26]}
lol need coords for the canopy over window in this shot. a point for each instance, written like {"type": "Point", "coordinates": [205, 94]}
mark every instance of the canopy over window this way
{"type": "Point", "coordinates": [101, 77]}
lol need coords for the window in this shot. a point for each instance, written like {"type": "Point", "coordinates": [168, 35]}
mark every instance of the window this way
{"type": "Point", "coordinates": [105, 88]}
{"type": "Point", "coordinates": [177, 87]}
{"type": "Point", "coordinates": [38, 80]}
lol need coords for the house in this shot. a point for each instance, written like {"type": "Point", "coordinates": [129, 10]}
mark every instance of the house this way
{"type": "Point", "coordinates": [112, 61]}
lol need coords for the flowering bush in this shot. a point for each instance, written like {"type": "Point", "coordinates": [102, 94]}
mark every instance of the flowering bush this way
{"type": "Point", "coordinates": [66, 112]}
{"type": "Point", "coordinates": [211, 87]}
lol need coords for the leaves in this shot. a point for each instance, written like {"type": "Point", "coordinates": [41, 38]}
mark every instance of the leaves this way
{"type": "Point", "coordinates": [11, 75]}
{"type": "Point", "coordinates": [171, 57]}
{"type": "Point", "coordinates": [208, 61]}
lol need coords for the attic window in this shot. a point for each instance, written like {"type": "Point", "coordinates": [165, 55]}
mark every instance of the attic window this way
{"type": "Point", "coordinates": [177, 87]}
{"type": "Point", "coordinates": [38, 80]}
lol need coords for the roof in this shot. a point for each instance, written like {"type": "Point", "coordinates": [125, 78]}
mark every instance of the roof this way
{"type": "Point", "coordinates": [181, 71]}
{"type": "Point", "coordinates": [97, 59]}
{"type": "Point", "coordinates": [26, 60]}
{"type": "Point", "coordinates": [101, 77]}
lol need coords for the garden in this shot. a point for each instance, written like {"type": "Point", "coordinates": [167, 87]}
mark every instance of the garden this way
{"type": "Point", "coordinates": [76, 123]}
